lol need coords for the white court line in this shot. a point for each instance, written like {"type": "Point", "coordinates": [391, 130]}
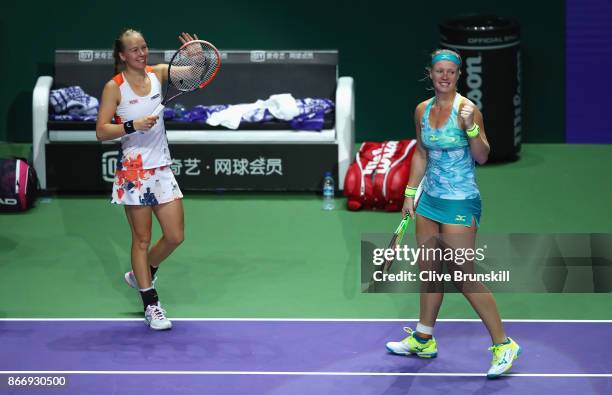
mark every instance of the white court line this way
{"type": "Point", "coordinates": [265, 373]}
{"type": "Point", "coordinates": [305, 320]}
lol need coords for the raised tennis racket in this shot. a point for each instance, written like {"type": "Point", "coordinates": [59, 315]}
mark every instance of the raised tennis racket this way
{"type": "Point", "coordinates": [398, 235]}
{"type": "Point", "coordinates": [192, 67]}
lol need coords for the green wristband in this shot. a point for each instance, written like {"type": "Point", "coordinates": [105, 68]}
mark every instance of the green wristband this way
{"type": "Point", "coordinates": [410, 191]}
{"type": "Point", "coordinates": [473, 131]}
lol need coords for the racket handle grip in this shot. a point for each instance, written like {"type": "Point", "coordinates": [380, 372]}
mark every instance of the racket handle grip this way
{"type": "Point", "coordinates": [158, 110]}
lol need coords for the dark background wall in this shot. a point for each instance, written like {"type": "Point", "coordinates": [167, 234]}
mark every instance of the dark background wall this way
{"type": "Point", "coordinates": [588, 53]}
{"type": "Point", "coordinates": [384, 45]}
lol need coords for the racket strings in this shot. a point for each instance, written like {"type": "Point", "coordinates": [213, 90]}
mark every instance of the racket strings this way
{"type": "Point", "coordinates": [193, 65]}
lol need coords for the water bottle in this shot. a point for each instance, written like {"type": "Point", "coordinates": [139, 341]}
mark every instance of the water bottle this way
{"type": "Point", "coordinates": [328, 192]}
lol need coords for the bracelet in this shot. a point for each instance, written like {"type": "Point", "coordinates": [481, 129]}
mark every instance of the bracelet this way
{"type": "Point", "coordinates": [473, 131]}
{"type": "Point", "coordinates": [129, 127]}
{"type": "Point", "coordinates": [410, 191]}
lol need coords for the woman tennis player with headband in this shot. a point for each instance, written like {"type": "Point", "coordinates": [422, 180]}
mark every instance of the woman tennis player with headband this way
{"type": "Point", "coordinates": [144, 183]}
{"type": "Point", "coordinates": [451, 136]}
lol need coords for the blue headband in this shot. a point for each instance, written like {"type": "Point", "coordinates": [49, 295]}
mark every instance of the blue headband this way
{"type": "Point", "coordinates": [451, 57]}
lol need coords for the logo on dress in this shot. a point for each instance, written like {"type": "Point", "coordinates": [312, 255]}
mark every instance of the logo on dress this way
{"type": "Point", "coordinates": [155, 96]}
{"type": "Point", "coordinates": [460, 218]}
{"type": "Point", "coordinates": [133, 101]}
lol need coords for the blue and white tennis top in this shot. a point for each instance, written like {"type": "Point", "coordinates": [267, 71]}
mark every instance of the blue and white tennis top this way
{"type": "Point", "coordinates": [450, 167]}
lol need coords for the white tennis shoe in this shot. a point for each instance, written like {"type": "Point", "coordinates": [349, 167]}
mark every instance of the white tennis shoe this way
{"type": "Point", "coordinates": [503, 357]}
{"type": "Point", "coordinates": [155, 317]}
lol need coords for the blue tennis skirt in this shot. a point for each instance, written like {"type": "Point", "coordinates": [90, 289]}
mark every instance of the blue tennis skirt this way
{"type": "Point", "coordinates": [448, 211]}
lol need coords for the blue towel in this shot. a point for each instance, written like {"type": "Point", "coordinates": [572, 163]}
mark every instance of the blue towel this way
{"type": "Point", "coordinates": [311, 117]}
{"type": "Point", "coordinates": [312, 114]}
{"type": "Point", "coordinates": [72, 104]}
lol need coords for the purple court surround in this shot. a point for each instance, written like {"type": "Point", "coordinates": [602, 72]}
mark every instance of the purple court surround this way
{"type": "Point", "coordinates": [298, 357]}
{"type": "Point", "coordinates": [588, 39]}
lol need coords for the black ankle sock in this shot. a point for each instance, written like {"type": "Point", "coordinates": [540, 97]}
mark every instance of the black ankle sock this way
{"type": "Point", "coordinates": [149, 297]}
{"type": "Point", "coordinates": [153, 271]}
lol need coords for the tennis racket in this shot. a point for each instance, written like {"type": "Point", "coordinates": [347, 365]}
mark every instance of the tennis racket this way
{"type": "Point", "coordinates": [192, 67]}
{"type": "Point", "coordinates": [398, 235]}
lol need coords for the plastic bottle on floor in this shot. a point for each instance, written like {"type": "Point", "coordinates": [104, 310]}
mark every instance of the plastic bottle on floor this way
{"type": "Point", "coordinates": [328, 192]}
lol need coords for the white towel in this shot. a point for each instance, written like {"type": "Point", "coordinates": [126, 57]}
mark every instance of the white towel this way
{"type": "Point", "coordinates": [231, 116]}
{"type": "Point", "coordinates": [283, 106]}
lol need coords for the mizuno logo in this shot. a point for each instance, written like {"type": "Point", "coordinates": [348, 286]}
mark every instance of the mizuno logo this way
{"type": "Point", "coordinates": [504, 359]}
{"type": "Point", "coordinates": [460, 218]}
{"type": "Point", "coordinates": [133, 101]}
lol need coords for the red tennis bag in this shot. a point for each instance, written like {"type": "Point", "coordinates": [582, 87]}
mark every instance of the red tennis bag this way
{"type": "Point", "coordinates": [378, 177]}
{"type": "Point", "coordinates": [18, 185]}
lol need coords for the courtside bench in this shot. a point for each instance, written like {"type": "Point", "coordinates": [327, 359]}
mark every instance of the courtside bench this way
{"type": "Point", "coordinates": [264, 156]}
